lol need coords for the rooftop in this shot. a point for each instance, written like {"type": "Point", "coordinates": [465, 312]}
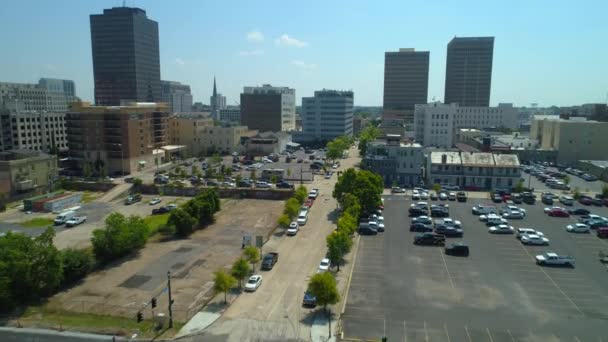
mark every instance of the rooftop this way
{"type": "Point", "coordinates": [506, 160]}
{"type": "Point", "coordinates": [474, 159]}
{"type": "Point", "coordinates": [452, 158]}
{"type": "Point", "coordinates": [477, 159]}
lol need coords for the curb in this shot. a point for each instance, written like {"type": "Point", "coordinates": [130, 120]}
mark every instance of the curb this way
{"type": "Point", "coordinates": [350, 276]}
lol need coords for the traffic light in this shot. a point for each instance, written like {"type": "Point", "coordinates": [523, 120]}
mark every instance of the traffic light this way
{"type": "Point", "coordinates": [153, 302]}
{"type": "Point", "coordinates": [140, 316]}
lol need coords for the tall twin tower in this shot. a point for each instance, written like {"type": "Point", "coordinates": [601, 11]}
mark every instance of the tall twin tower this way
{"type": "Point", "coordinates": [468, 76]}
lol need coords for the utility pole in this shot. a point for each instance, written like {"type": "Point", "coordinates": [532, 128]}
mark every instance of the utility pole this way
{"type": "Point", "coordinates": [170, 300]}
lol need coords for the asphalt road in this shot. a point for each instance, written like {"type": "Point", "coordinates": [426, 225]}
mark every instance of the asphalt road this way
{"type": "Point", "coordinates": [414, 293]}
{"type": "Point", "coordinates": [575, 182]}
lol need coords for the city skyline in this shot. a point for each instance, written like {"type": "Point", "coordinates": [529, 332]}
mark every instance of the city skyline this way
{"type": "Point", "coordinates": [553, 64]}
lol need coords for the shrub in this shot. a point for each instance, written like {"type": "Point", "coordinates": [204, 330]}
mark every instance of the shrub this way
{"type": "Point", "coordinates": [77, 263]}
{"type": "Point", "coordinates": [120, 237]}
{"type": "Point", "coordinates": [182, 221]}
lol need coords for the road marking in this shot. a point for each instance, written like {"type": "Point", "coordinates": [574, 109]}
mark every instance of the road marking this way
{"type": "Point", "coordinates": [489, 335]}
{"type": "Point", "coordinates": [384, 333]}
{"type": "Point", "coordinates": [446, 268]}
{"type": "Point", "coordinates": [277, 304]}
{"type": "Point", "coordinates": [509, 332]}
{"type": "Point", "coordinates": [365, 317]}
{"type": "Point", "coordinates": [426, 333]}
{"type": "Point", "coordinates": [555, 284]}
{"type": "Point", "coordinates": [576, 339]}
{"type": "Point", "coordinates": [404, 332]}
{"type": "Point", "coordinates": [468, 335]}
{"type": "Point", "coordinates": [445, 327]}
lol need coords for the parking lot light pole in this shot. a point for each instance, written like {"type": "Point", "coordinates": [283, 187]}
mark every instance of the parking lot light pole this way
{"type": "Point", "coordinates": [170, 299]}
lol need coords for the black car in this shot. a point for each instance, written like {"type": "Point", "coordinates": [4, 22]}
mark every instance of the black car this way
{"type": "Point", "coordinates": [309, 300]}
{"type": "Point", "coordinates": [579, 211]}
{"type": "Point", "coordinates": [517, 199]}
{"type": "Point", "coordinates": [597, 201]}
{"type": "Point", "coordinates": [420, 227]}
{"type": "Point", "coordinates": [528, 198]}
{"type": "Point", "coordinates": [367, 231]}
{"type": "Point", "coordinates": [284, 185]}
{"type": "Point", "coordinates": [496, 198]}
{"type": "Point", "coordinates": [244, 184]}
{"type": "Point", "coordinates": [547, 200]}
{"type": "Point", "coordinates": [448, 231]}
{"type": "Point", "coordinates": [457, 249]}
{"type": "Point", "coordinates": [161, 210]}
{"type": "Point", "coordinates": [429, 239]}
{"type": "Point", "coordinates": [415, 212]}
{"type": "Point", "coordinates": [439, 212]}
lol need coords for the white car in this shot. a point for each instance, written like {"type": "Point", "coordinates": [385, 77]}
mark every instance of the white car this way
{"type": "Point", "coordinates": [424, 195]}
{"type": "Point", "coordinates": [293, 228]}
{"type": "Point", "coordinates": [523, 231]}
{"type": "Point", "coordinates": [314, 193]}
{"type": "Point", "coordinates": [578, 228]}
{"type": "Point", "coordinates": [483, 210]}
{"type": "Point", "coordinates": [302, 218]}
{"type": "Point", "coordinates": [514, 215]}
{"type": "Point", "coordinates": [378, 218]}
{"type": "Point", "coordinates": [443, 196]}
{"type": "Point", "coordinates": [501, 229]}
{"type": "Point", "coordinates": [76, 220]}
{"type": "Point", "coordinates": [533, 239]}
{"type": "Point", "coordinates": [551, 258]}
{"type": "Point", "coordinates": [324, 265]}
{"type": "Point", "coordinates": [415, 195]}
{"type": "Point", "coordinates": [155, 201]}
{"type": "Point", "coordinates": [452, 223]}
{"type": "Point", "coordinates": [485, 218]}
{"type": "Point", "coordinates": [253, 283]}
{"type": "Point", "coordinates": [263, 185]}
{"type": "Point", "coordinates": [510, 208]}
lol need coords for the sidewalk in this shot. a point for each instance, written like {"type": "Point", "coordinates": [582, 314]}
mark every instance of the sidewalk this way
{"type": "Point", "coordinates": [210, 313]}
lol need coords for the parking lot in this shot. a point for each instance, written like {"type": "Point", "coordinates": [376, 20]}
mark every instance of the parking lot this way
{"type": "Point", "coordinates": [575, 182]}
{"type": "Point", "coordinates": [498, 293]}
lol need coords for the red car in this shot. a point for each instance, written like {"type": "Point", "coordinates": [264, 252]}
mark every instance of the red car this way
{"type": "Point", "coordinates": [586, 200]}
{"type": "Point", "coordinates": [309, 202]}
{"type": "Point", "coordinates": [558, 213]}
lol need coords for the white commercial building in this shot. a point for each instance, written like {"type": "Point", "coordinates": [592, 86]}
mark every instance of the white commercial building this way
{"type": "Point", "coordinates": [177, 96]}
{"type": "Point", "coordinates": [49, 95]}
{"type": "Point", "coordinates": [327, 115]}
{"type": "Point", "coordinates": [232, 115]}
{"type": "Point", "coordinates": [34, 131]}
{"type": "Point", "coordinates": [396, 162]}
{"type": "Point", "coordinates": [473, 170]}
{"type": "Point", "coordinates": [436, 123]}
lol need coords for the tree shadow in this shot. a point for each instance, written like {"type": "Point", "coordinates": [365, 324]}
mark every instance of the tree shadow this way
{"type": "Point", "coordinates": [333, 215]}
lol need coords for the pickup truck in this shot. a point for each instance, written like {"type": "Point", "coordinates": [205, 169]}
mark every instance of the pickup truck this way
{"type": "Point", "coordinates": [269, 260]}
{"type": "Point", "coordinates": [76, 220]}
{"type": "Point", "coordinates": [554, 259]}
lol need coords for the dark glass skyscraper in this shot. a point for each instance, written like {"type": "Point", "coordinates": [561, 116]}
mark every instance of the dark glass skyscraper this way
{"type": "Point", "coordinates": [468, 74]}
{"type": "Point", "coordinates": [406, 79]}
{"type": "Point", "coordinates": [126, 63]}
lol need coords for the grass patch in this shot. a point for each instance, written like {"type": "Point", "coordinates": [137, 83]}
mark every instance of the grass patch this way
{"type": "Point", "coordinates": [45, 317]}
{"type": "Point", "coordinates": [38, 222]}
{"type": "Point", "coordinates": [89, 196]}
{"type": "Point", "coordinates": [154, 222]}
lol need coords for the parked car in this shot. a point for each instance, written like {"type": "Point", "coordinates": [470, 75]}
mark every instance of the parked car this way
{"type": "Point", "coordinates": [302, 218]}
{"type": "Point", "coordinates": [501, 229]}
{"type": "Point", "coordinates": [452, 196]}
{"type": "Point", "coordinates": [532, 239]}
{"type": "Point", "coordinates": [155, 201]}
{"type": "Point", "coordinates": [365, 229]}
{"type": "Point", "coordinates": [578, 211]}
{"type": "Point", "coordinates": [309, 202]}
{"type": "Point", "coordinates": [457, 249]}
{"type": "Point", "coordinates": [461, 197]}
{"type": "Point", "coordinates": [253, 283]}
{"type": "Point", "coordinates": [547, 200]}
{"type": "Point", "coordinates": [422, 219]}
{"type": "Point", "coordinates": [309, 300]}
{"type": "Point", "coordinates": [76, 220]}
{"type": "Point", "coordinates": [443, 196]}
{"type": "Point", "coordinates": [314, 193]}
{"type": "Point", "coordinates": [133, 199]}
{"type": "Point", "coordinates": [449, 231]}
{"type": "Point", "coordinates": [494, 221]}
{"type": "Point", "coordinates": [324, 265]}
{"type": "Point", "coordinates": [284, 185]}
{"type": "Point", "coordinates": [578, 228]}
{"type": "Point", "coordinates": [397, 190]}
{"type": "Point", "coordinates": [558, 212]}
{"type": "Point", "coordinates": [554, 259]}
{"type": "Point", "coordinates": [293, 228]}
{"type": "Point", "coordinates": [566, 200]}
{"type": "Point", "coordinates": [523, 231]}
{"type": "Point", "coordinates": [420, 227]}
{"type": "Point", "coordinates": [64, 217]}
{"type": "Point", "coordinates": [429, 239]}
{"type": "Point", "coordinates": [483, 209]}
{"type": "Point", "coordinates": [161, 210]}
{"type": "Point", "coordinates": [602, 232]}
{"type": "Point", "coordinates": [269, 260]}
{"type": "Point", "coordinates": [586, 200]}
{"type": "Point", "coordinates": [433, 196]}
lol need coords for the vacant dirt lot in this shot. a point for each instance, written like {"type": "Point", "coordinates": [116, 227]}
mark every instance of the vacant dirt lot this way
{"type": "Point", "coordinates": [124, 288]}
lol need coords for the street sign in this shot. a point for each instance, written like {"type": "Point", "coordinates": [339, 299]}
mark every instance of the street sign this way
{"type": "Point", "coordinates": [259, 241]}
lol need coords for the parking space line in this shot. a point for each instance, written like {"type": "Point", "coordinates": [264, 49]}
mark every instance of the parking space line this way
{"type": "Point", "coordinates": [468, 335]}
{"type": "Point", "coordinates": [489, 335]}
{"type": "Point", "coordinates": [555, 284]}
{"type": "Point", "coordinates": [363, 317]}
{"type": "Point", "coordinates": [404, 332]}
{"type": "Point", "coordinates": [445, 327]}
{"type": "Point", "coordinates": [446, 269]}
{"type": "Point", "coordinates": [426, 332]}
{"type": "Point", "coordinates": [511, 335]}
{"type": "Point", "coordinates": [576, 339]}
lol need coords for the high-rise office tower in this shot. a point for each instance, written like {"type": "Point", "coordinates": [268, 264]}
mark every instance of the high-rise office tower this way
{"type": "Point", "coordinates": [269, 108]}
{"type": "Point", "coordinates": [126, 63]}
{"type": "Point", "coordinates": [406, 79]}
{"type": "Point", "coordinates": [468, 72]}
{"type": "Point", "coordinates": [328, 115]}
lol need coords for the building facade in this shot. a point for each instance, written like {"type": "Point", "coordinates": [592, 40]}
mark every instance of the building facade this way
{"type": "Point", "coordinates": [126, 62]}
{"type": "Point", "coordinates": [473, 170]}
{"type": "Point", "coordinates": [49, 95]}
{"type": "Point", "coordinates": [34, 131]}
{"type": "Point", "coordinates": [188, 129]}
{"type": "Point", "coordinates": [225, 138]}
{"type": "Point", "coordinates": [468, 72]}
{"type": "Point", "coordinates": [269, 108]}
{"type": "Point", "coordinates": [265, 143]}
{"type": "Point", "coordinates": [231, 115]}
{"type": "Point", "coordinates": [406, 82]}
{"type": "Point", "coordinates": [327, 115]}
{"type": "Point", "coordinates": [121, 139]}
{"type": "Point", "coordinates": [23, 171]}
{"type": "Point", "coordinates": [574, 139]}
{"type": "Point", "coordinates": [398, 163]}
{"type": "Point", "coordinates": [436, 124]}
{"type": "Point", "coordinates": [177, 96]}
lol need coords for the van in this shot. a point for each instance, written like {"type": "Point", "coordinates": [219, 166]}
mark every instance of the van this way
{"type": "Point", "coordinates": [302, 218]}
{"type": "Point", "coordinates": [64, 217]}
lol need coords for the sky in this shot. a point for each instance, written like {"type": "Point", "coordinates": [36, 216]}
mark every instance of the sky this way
{"type": "Point", "coordinates": [550, 52]}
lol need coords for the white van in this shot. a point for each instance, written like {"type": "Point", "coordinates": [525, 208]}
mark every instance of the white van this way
{"type": "Point", "coordinates": [64, 217]}
{"type": "Point", "coordinates": [302, 218]}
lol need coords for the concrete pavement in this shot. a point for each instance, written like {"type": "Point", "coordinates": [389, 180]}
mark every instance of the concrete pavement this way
{"type": "Point", "coordinates": [44, 335]}
{"type": "Point", "coordinates": [274, 312]}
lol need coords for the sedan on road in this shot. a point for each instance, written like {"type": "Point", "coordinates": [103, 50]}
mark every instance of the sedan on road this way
{"type": "Point", "coordinates": [324, 265]}
{"type": "Point", "coordinates": [293, 228]}
{"type": "Point", "coordinates": [501, 229]}
{"type": "Point", "coordinates": [253, 283]}
{"type": "Point", "coordinates": [531, 239]}
{"type": "Point", "coordinates": [578, 228]}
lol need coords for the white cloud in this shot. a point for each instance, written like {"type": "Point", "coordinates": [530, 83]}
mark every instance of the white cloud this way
{"type": "Point", "coordinates": [302, 65]}
{"type": "Point", "coordinates": [255, 36]}
{"type": "Point", "coordinates": [251, 53]}
{"type": "Point", "coordinates": [284, 39]}
{"type": "Point", "coordinates": [179, 61]}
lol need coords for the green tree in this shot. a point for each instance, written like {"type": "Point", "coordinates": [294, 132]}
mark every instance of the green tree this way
{"type": "Point", "coordinates": [240, 269]}
{"type": "Point", "coordinates": [45, 264]}
{"type": "Point", "coordinates": [292, 208]}
{"type": "Point", "coordinates": [323, 287]}
{"type": "Point", "coordinates": [347, 223]}
{"type": "Point", "coordinates": [519, 187]}
{"type": "Point", "coordinates": [216, 159]}
{"type": "Point", "coordinates": [577, 193]}
{"type": "Point", "coordinates": [288, 171]}
{"type": "Point", "coordinates": [301, 194]}
{"type": "Point", "coordinates": [223, 282]}
{"type": "Point", "coordinates": [284, 221]}
{"type": "Point", "coordinates": [77, 263]}
{"type": "Point", "coordinates": [334, 150]}
{"type": "Point", "coordinates": [345, 183]}
{"type": "Point", "coordinates": [238, 178]}
{"type": "Point", "coordinates": [195, 171]}
{"type": "Point", "coordinates": [566, 180]}
{"type": "Point", "coordinates": [368, 135]}
{"type": "Point", "coordinates": [437, 188]}
{"type": "Point", "coordinates": [119, 237]}
{"type": "Point", "coordinates": [182, 221]}
{"type": "Point", "coordinates": [338, 244]}
{"type": "Point", "coordinates": [274, 179]}
{"type": "Point", "coordinates": [87, 170]}
{"type": "Point", "coordinates": [252, 255]}
{"type": "Point", "coordinates": [605, 190]}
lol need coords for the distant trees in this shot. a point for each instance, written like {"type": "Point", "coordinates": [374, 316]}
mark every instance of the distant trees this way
{"type": "Point", "coordinates": [367, 135]}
